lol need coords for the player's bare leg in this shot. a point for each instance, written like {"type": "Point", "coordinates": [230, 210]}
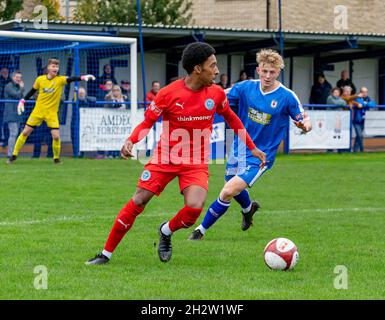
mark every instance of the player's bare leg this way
{"type": "Point", "coordinates": [122, 224]}
{"type": "Point", "coordinates": [194, 199]}
{"type": "Point", "coordinates": [56, 146]}
{"type": "Point", "coordinates": [20, 143]}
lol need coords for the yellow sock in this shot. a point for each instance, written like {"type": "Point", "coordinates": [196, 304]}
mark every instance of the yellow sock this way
{"type": "Point", "coordinates": [56, 148]}
{"type": "Point", "coordinates": [19, 144]}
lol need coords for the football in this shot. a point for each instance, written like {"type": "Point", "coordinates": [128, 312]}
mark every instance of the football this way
{"type": "Point", "coordinates": [281, 254]}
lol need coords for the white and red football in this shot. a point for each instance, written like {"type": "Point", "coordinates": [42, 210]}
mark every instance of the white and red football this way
{"type": "Point", "coordinates": [281, 254]}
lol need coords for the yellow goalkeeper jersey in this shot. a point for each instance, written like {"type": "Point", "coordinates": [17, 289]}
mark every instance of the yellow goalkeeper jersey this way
{"type": "Point", "coordinates": [50, 91]}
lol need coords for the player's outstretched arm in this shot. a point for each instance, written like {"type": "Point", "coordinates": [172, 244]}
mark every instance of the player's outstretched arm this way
{"type": "Point", "coordinates": [20, 105]}
{"type": "Point", "coordinates": [236, 124]}
{"type": "Point", "coordinates": [138, 134]}
{"type": "Point", "coordinates": [86, 78]}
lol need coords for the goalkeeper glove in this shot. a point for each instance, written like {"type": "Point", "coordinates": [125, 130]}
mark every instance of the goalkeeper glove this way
{"type": "Point", "coordinates": [88, 77]}
{"type": "Point", "coordinates": [20, 107]}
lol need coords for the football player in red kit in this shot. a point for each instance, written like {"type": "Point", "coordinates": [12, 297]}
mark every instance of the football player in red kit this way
{"type": "Point", "coordinates": [187, 107]}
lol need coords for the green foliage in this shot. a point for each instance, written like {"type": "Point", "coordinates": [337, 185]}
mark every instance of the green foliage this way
{"type": "Point", "coordinates": [166, 12]}
{"type": "Point", "coordinates": [9, 8]}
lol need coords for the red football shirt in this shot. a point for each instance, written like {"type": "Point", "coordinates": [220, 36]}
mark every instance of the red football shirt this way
{"type": "Point", "coordinates": [150, 96]}
{"type": "Point", "coordinates": [187, 124]}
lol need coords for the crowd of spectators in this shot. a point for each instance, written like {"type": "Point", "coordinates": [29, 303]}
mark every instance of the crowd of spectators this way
{"type": "Point", "coordinates": [344, 95]}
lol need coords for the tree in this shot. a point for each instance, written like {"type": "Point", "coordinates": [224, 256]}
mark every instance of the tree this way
{"type": "Point", "coordinates": [53, 8]}
{"type": "Point", "coordinates": [9, 8]}
{"type": "Point", "coordinates": [166, 12]}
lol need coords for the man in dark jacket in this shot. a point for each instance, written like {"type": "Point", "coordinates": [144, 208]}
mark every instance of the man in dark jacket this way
{"type": "Point", "coordinates": [14, 90]}
{"type": "Point", "coordinates": [320, 91]}
{"type": "Point", "coordinates": [345, 81]}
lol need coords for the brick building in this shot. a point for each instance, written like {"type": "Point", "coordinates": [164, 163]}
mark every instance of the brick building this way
{"type": "Point", "coordinates": [299, 15]}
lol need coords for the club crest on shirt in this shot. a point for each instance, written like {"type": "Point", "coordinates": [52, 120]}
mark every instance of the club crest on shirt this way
{"type": "Point", "coordinates": [146, 175]}
{"type": "Point", "coordinates": [209, 104]}
{"type": "Point", "coordinates": [274, 104]}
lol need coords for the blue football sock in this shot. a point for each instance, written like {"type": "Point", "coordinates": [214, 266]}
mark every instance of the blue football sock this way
{"type": "Point", "coordinates": [243, 199]}
{"type": "Point", "coordinates": [214, 212]}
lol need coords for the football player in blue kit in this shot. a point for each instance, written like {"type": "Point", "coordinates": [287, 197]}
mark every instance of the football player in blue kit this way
{"type": "Point", "coordinates": [264, 106]}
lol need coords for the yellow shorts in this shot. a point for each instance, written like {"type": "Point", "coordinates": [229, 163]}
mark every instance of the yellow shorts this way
{"type": "Point", "coordinates": [36, 119]}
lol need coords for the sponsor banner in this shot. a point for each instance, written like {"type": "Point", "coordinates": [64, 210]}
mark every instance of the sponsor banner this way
{"type": "Point", "coordinates": [374, 123]}
{"type": "Point", "coordinates": [331, 130]}
{"type": "Point", "coordinates": [103, 129]}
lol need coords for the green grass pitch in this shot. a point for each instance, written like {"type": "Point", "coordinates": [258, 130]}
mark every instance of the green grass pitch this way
{"type": "Point", "coordinates": [332, 206]}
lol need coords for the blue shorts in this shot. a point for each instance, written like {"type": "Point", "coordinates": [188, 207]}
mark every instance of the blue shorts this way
{"type": "Point", "coordinates": [249, 174]}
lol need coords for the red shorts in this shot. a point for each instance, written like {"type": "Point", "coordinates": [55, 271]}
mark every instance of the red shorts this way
{"type": "Point", "coordinates": [155, 179]}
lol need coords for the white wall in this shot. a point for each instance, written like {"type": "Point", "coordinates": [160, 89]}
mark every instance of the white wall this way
{"type": "Point", "coordinates": [302, 77]}
{"type": "Point", "coordinates": [222, 64]}
{"type": "Point", "coordinates": [236, 67]}
{"type": "Point", "coordinates": [366, 75]}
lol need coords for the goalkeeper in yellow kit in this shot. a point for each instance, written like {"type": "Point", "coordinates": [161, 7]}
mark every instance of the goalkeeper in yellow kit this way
{"type": "Point", "coordinates": [49, 88]}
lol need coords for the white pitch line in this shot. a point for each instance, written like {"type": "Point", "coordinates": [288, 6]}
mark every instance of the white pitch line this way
{"type": "Point", "coordinates": [112, 217]}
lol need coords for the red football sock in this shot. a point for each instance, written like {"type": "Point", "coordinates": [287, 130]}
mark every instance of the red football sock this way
{"type": "Point", "coordinates": [185, 218]}
{"type": "Point", "coordinates": [122, 224]}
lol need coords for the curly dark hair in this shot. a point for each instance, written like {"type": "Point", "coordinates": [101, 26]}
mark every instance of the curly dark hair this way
{"type": "Point", "coordinates": [195, 54]}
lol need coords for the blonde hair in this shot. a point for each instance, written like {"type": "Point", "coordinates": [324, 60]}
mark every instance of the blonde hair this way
{"type": "Point", "coordinates": [268, 56]}
{"type": "Point", "coordinates": [115, 87]}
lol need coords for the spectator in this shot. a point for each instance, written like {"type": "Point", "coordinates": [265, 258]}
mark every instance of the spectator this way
{"type": "Point", "coordinates": [349, 97]}
{"type": "Point", "coordinates": [335, 98]}
{"type": "Point", "coordinates": [155, 87]}
{"type": "Point", "coordinates": [105, 89]}
{"type": "Point", "coordinates": [345, 81]}
{"type": "Point", "coordinates": [14, 90]}
{"type": "Point", "coordinates": [84, 101]}
{"type": "Point", "coordinates": [223, 81]}
{"type": "Point", "coordinates": [4, 80]}
{"type": "Point", "coordinates": [359, 110]}
{"type": "Point", "coordinates": [116, 96]}
{"type": "Point", "coordinates": [125, 86]}
{"type": "Point", "coordinates": [108, 74]}
{"type": "Point", "coordinates": [320, 90]}
{"type": "Point", "coordinates": [242, 76]}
